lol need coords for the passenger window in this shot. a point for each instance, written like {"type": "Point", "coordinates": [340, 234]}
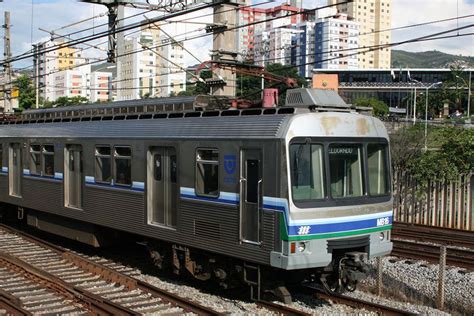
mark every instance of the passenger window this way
{"type": "Point", "coordinates": [103, 163]}
{"type": "Point", "coordinates": [35, 159]}
{"type": "Point", "coordinates": [377, 163]}
{"type": "Point", "coordinates": [48, 160]}
{"type": "Point", "coordinates": [1, 155]}
{"type": "Point", "coordinates": [123, 165]}
{"type": "Point", "coordinates": [174, 168]}
{"type": "Point", "coordinates": [207, 172]}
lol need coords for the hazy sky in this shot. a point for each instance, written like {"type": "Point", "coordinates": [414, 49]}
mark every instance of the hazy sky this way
{"type": "Point", "coordinates": [54, 14]}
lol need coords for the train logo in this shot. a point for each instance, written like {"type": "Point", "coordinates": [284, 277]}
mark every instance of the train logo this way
{"type": "Point", "coordinates": [304, 230]}
{"type": "Point", "coordinates": [230, 164]}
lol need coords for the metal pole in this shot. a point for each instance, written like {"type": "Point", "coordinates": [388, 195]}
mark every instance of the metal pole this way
{"type": "Point", "coordinates": [441, 276]}
{"type": "Point", "coordinates": [426, 118]}
{"type": "Point", "coordinates": [379, 275]}
{"type": "Point", "coordinates": [7, 66]}
{"type": "Point", "coordinates": [469, 96]}
{"type": "Point", "coordinates": [37, 77]}
{"type": "Point", "coordinates": [414, 108]}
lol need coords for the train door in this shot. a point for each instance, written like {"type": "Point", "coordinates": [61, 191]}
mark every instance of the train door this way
{"type": "Point", "coordinates": [250, 195]}
{"type": "Point", "coordinates": [73, 176]}
{"type": "Point", "coordinates": [162, 187]}
{"type": "Point", "coordinates": [15, 167]}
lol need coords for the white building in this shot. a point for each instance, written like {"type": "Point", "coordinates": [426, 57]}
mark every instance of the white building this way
{"type": "Point", "coordinates": [137, 71]}
{"type": "Point", "coordinates": [304, 48]}
{"type": "Point", "coordinates": [171, 76]}
{"type": "Point", "coordinates": [101, 86]}
{"type": "Point", "coordinates": [47, 65]}
{"type": "Point", "coordinates": [71, 83]}
{"type": "Point", "coordinates": [337, 39]}
{"type": "Point", "coordinates": [274, 46]}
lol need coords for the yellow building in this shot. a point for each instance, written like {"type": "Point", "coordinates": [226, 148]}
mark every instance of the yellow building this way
{"type": "Point", "coordinates": [374, 16]}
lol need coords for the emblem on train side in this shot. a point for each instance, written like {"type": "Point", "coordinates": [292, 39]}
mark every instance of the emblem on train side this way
{"type": "Point", "coordinates": [230, 166]}
{"type": "Point", "coordinates": [304, 230]}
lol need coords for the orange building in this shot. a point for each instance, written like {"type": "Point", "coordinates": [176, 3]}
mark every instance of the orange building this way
{"type": "Point", "coordinates": [326, 81]}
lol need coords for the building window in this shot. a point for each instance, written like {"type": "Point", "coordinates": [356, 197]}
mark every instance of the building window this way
{"type": "Point", "coordinates": [123, 165]}
{"type": "Point", "coordinates": [103, 163]}
{"type": "Point", "coordinates": [207, 172]}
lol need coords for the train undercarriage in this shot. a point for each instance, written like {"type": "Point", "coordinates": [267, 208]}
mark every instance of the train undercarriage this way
{"type": "Point", "coordinates": [342, 274]}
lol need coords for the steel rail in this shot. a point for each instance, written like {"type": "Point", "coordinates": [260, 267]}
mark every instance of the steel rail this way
{"type": "Point", "coordinates": [280, 309]}
{"type": "Point", "coordinates": [362, 304]}
{"type": "Point", "coordinates": [95, 303]}
{"type": "Point", "coordinates": [11, 304]}
{"type": "Point", "coordinates": [114, 276]}
{"type": "Point", "coordinates": [415, 250]}
{"type": "Point", "coordinates": [433, 234]}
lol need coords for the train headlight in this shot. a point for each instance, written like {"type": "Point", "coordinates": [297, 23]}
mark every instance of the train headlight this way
{"type": "Point", "coordinates": [382, 236]}
{"type": "Point", "coordinates": [301, 246]}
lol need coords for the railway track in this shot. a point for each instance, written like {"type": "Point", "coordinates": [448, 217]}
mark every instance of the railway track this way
{"type": "Point", "coordinates": [362, 304]}
{"type": "Point", "coordinates": [438, 235]}
{"type": "Point", "coordinates": [37, 277]}
{"type": "Point", "coordinates": [414, 250]}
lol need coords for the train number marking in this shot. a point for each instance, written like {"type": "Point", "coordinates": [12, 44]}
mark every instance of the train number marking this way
{"type": "Point", "coordinates": [383, 221]}
{"type": "Point", "coordinates": [304, 230]}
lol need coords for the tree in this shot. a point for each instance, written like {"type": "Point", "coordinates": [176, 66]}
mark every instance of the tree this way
{"type": "Point", "coordinates": [27, 94]}
{"type": "Point", "coordinates": [198, 87]}
{"type": "Point", "coordinates": [379, 108]}
{"type": "Point", "coordinates": [454, 88]}
{"type": "Point", "coordinates": [67, 101]}
{"type": "Point", "coordinates": [249, 87]}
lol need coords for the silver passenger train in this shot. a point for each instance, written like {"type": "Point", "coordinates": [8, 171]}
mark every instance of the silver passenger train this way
{"type": "Point", "coordinates": [288, 194]}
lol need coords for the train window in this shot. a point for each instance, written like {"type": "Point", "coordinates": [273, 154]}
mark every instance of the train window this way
{"type": "Point", "coordinates": [174, 169]}
{"type": "Point", "coordinates": [307, 173]}
{"type": "Point", "coordinates": [103, 163]}
{"type": "Point", "coordinates": [345, 170]}
{"type": "Point", "coordinates": [207, 172]}
{"type": "Point", "coordinates": [378, 169]}
{"type": "Point", "coordinates": [158, 168]}
{"type": "Point", "coordinates": [35, 159]}
{"type": "Point", "coordinates": [123, 165]}
{"type": "Point", "coordinates": [48, 160]}
{"type": "Point", "coordinates": [1, 155]}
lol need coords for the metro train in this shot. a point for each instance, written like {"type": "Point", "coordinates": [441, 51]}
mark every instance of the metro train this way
{"type": "Point", "coordinates": [264, 196]}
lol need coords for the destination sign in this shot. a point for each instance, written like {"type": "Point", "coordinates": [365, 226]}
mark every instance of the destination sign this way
{"type": "Point", "coordinates": [342, 150]}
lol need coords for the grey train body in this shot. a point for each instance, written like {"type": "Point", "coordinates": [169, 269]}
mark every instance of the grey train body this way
{"type": "Point", "coordinates": [223, 184]}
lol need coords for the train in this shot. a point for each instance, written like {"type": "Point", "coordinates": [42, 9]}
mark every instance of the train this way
{"type": "Point", "coordinates": [262, 196]}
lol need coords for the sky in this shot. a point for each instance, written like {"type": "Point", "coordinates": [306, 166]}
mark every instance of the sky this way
{"type": "Point", "coordinates": [55, 14]}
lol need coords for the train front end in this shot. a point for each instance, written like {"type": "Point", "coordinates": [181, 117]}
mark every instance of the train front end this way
{"type": "Point", "coordinates": [338, 212]}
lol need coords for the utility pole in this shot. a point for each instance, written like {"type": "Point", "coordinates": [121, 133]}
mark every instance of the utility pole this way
{"type": "Point", "coordinates": [7, 54]}
{"type": "Point", "coordinates": [224, 50]}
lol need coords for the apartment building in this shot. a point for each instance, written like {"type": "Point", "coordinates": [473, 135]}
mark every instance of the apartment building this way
{"type": "Point", "coordinates": [171, 75]}
{"type": "Point", "coordinates": [138, 68]}
{"type": "Point", "coordinates": [48, 63]}
{"type": "Point", "coordinates": [337, 39]}
{"type": "Point", "coordinates": [274, 46]}
{"type": "Point", "coordinates": [71, 83]}
{"type": "Point", "coordinates": [374, 16]}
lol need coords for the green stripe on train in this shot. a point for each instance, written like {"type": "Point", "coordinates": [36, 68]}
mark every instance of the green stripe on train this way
{"type": "Point", "coordinates": [284, 232]}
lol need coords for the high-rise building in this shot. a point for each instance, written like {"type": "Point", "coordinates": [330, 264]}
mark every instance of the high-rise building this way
{"type": "Point", "coordinates": [71, 83]}
{"type": "Point", "coordinates": [282, 16]}
{"type": "Point", "coordinates": [374, 16]}
{"type": "Point", "coordinates": [138, 68]}
{"type": "Point", "coordinates": [171, 75]}
{"type": "Point", "coordinates": [274, 46]}
{"type": "Point", "coordinates": [49, 63]}
{"type": "Point", "coordinates": [337, 39]}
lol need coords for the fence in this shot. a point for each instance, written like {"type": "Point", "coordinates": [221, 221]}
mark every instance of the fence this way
{"type": "Point", "coordinates": [438, 204]}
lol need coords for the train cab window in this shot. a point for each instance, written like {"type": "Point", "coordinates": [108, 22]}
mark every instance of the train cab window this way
{"type": "Point", "coordinates": [123, 165]}
{"type": "Point", "coordinates": [35, 159]}
{"type": "Point", "coordinates": [48, 160]}
{"type": "Point", "coordinates": [307, 171]}
{"type": "Point", "coordinates": [207, 172]}
{"type": "Point", "coordinates": [345, 170]}
{"type": "Point", "coordinates": [378, 169]}
{"type": "Point", "coordinates": [103, 163]}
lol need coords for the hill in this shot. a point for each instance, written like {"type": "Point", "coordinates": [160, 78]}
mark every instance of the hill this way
{"type": "Point", "coordinates": [430, 59]}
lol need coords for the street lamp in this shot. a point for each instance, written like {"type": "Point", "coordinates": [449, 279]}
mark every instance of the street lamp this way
{"type": "Point", "coordinates": [468, 93]}
{"type": "Point", "coordinates": [426, 111]}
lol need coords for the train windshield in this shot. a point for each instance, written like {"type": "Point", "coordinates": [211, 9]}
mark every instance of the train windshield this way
{"type": "Point", "coordinates": [336, 171]}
